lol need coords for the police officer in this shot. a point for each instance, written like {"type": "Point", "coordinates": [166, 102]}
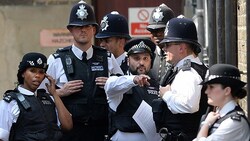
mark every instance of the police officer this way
{"type": "Point", "coordinates": [113, 35]}
{"type": "Point", "coordinates": [228, 122]}
{"type": "Point", "coordinates": [126, 93]}
{"type": "Point", "coordinates": [157, 23]}
{"type": "Point", "coordinates": [30, 114]}
{"type": "Point", "coordinates": [81, 71]}
{"type": "Point", "coordinates": [180, 91]}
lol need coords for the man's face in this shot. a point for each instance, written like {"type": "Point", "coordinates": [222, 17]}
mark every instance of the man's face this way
{"type": "Point", "coordinates": [113, 44]}
{"type": "Point", "coordinates": [157, 35]}
{"type": "Point", "coordinates": [139, 63]}
{"type": "Point", "coordinates": [83, 34]}
{"type": "Point", "coordinates": [172, 51]}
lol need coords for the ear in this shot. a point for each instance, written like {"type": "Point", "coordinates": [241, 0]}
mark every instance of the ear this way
{"type": "Point", "coordinates": [94, 29]}
{"type": "Point", "coordinates": [182, 47]}
{"type": "Point", "coordinates": [128, 60]}
{"type": "Point", "coordinates": [122, 42]}
{"type": "Point", "coordinates": [228, 90]}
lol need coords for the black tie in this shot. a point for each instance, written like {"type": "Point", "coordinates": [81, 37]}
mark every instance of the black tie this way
{"type": "Point", "coordinates": [84, 56]}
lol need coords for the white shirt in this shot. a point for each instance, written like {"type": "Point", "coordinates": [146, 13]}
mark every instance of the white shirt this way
{"type": "Point", "coordinates": [56, 70]}
{"type": "Point", "coordinates": [121, 58]}
{"type": "Point", "coordinates": [10, 113]}
{"type": "Point", "coordinates": [115, 87]}
{"type": "Point", "coordinates": [229, 129]}
{"type": "Point", "coordinates": [185, 93]}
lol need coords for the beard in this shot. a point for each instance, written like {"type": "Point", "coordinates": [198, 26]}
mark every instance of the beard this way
{"type": "Point", "coordinates": [139, 70]}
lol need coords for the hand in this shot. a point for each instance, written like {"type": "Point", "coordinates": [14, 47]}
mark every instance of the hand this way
{"type": "Point", "coordinates": [71, 87]}
{"type": "Point", "coordinates": [212, 117]}
{"type": "Point", "coordinates": [51, 87]}
{"type": "Point", "coordinates": [100, 81]}
{"type": "Point", "coordinates": [141, 80]}
{"type": "Point", "coordinates": [163, 90]}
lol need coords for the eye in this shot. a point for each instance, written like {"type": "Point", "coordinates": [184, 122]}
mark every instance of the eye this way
{"type": "Point", "coordinates": [146, 58]}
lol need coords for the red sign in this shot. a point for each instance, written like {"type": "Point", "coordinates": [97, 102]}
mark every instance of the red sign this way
{"type": "Point", "coordinates": [139, 29]}
{"type": "Point", "coordinates": [143, 15]}
{"type": "Point", "coordinates": [138, 21]}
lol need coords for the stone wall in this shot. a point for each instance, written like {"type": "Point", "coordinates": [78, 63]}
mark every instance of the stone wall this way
{"type": "Point", "coordinates": [20, 28]}
{"type": "Point", "coordinates": [242, 42]}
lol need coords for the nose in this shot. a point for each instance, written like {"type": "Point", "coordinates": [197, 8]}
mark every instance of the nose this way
{"type": "Point", "coordinates": [141, 61]}
{"type": "Point", "coordinates": [102, 43]}
{"type": "Point", "coordinates": [164, 48]}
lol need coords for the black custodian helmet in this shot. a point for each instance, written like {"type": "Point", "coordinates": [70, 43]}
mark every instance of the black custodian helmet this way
{"type": "Point", "coordinates": [159, 17]}
{"type": "Point", "coordinates": [113, 25]}
{"type": "Point", "coordinates": [182, 30]}
{"type": "Point", "coordinates": [82, 14]}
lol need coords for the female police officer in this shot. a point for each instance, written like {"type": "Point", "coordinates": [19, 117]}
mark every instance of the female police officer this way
{"type": "Point", "coordinates": [28, 114]}
{"type": "Point", "coordinates": [228, 122]}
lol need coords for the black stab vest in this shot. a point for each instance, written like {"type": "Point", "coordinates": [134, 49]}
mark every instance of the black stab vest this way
{"type": "Point", "coordinates": [90, 104]}
{"type": "Point", "coordinates": [38, 122]}
{"type": "Point", "coordinates": [183, 123]}
{"type": "Point", "coordinates": [122, 119]}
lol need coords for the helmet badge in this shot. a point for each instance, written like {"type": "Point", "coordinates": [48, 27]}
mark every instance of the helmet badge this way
{"type": "Point", "coordinates": [39, 61]}
{"type": "Point", "coordinates": [104, 23]}
{"type": "Point", "coordinates": [158, 15]}
{"type": "Point", "coordinates": [82, 12]}
{"type": "Point", "coordinates": [166, 29]}
{"type": "Point", "coordinates": [31, 63]}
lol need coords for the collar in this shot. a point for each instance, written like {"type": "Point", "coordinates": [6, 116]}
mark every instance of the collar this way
{"type": "Point", "coordinates": [227, 108]}
{"type": "Point", "coordinates": [120, 59]}
{"type": "Point", "coordinates": [158, 50]}
{"type": "Point", "coordinates": [24, 91]}
{"type": "Point", "coordinates": [192, 58]}
{"type": "Point", "coordinates": [78, 52]}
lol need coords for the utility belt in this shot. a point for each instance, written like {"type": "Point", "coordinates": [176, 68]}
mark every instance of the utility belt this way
{"type": "Point", "coordinates": [172, 135]}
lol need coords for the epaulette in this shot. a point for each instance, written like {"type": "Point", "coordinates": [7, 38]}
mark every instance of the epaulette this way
{"type": "Point", "coordinates": [8, 98]}
{"type": "Point", "coordinates": [237, 116]}
{"type": "Point", "coordinates": [10, 95]}
{"type": "Point", "coordinates": [56, 55]}
{"type": "Point", "coordinates": [63, 49]}
{"type": "Point", "coordinates": [186, 65]}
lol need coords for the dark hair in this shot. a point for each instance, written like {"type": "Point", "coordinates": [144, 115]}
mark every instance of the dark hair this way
{"type": "Point", "coordinates": [20, 78]}
{"type": "Point", "coordinates": [236, 92]}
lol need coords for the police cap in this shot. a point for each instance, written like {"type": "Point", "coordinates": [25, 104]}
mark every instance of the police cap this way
{"type": "Point", "coordinates": [225, 74]}
{"type": "Point", "coordinates": [139, 45]}
{"type": "Point", "coordinates": [29, 60]}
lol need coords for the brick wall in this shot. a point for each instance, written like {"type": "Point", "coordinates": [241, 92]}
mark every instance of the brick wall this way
{"type": "Point", "coordinates": [242, 42]}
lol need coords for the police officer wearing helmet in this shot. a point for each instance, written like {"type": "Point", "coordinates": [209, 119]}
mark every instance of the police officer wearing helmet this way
{"type": "Point", "coordinates": [28, 113]}
{"type": "Point", "coordinates": [181, 93]}
{"type": "Point", "coordinates": [228, 121]}
{"type": "Point", "coordinates": [157, 23]}
{"type": "Point", "coordinates": [80, 71]}
{"type": "Point", "coordinates": [113, 35]}
{"type": "Point", "coordinates": [126, 93]}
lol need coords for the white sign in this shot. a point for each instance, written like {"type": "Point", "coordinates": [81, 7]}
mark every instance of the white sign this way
{"type": "Point", "coordinates": [138, 18]}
